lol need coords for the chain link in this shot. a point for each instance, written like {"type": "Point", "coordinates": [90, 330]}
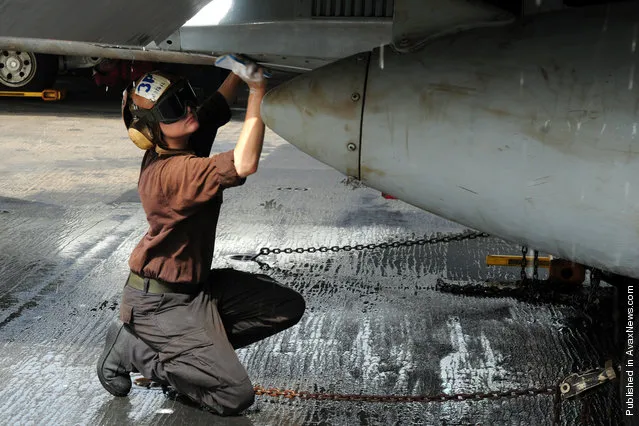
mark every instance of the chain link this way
{"type": "Point", "coordinates": [264, 251]}
{"type": "Point", "coordinates": [477, 396]}
{"type": "Point", "coordinates": [440, 398]}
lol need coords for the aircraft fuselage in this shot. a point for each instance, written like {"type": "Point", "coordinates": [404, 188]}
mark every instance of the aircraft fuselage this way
{"type": "Point", "coordinates": [527, 132]}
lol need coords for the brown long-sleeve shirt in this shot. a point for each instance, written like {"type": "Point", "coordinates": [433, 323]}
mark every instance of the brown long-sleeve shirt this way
{"type": "Point", "coordinates": [182, 196]}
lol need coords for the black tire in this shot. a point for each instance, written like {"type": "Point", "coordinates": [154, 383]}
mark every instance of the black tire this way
{"type": "Point", "coordinates": [32, 72]}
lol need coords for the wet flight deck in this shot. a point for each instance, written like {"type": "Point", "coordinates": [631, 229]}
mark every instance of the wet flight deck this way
{"type": "Point", "coordinates": [417, 320]}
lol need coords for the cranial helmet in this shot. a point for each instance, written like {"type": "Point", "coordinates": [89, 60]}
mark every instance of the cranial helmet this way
{"type": "Point", "coordinates": [156, 98]}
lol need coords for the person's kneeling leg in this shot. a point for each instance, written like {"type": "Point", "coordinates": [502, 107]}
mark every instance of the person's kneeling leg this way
{"type": "Point", "coordinates": [254, 306]}
{"type": "Point", "coordinates": [124, 353]}
{"type": "Point", "coordinates": [209, 373]}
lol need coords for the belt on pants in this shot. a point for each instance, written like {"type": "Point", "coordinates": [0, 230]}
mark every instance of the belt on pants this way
{"type": "Point", "coordinates": [150, 285]}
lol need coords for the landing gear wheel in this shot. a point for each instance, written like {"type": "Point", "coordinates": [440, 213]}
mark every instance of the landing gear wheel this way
{"type": "Point", "coordinates": [26, 71]}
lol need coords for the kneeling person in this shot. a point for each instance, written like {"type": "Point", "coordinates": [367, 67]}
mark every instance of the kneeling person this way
{"type": "Point", "coordinates": [180, 321]}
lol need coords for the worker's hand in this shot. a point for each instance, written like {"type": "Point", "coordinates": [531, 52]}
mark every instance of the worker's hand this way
{"type": "Point", "coordinates": [253, 76]}
{"type": "Point", "coordinates": [256, 81]}
{"type": "Point", "coordinates": [251, 73]}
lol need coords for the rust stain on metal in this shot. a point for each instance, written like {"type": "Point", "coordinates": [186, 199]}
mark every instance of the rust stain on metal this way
{"type": "Point", "coordinates": [545, 135]}
{"type": "Point", "coordinates": [498, 112]}
{"type": "Point", "coordinates": [371, 171]}
{"type": "Point", "coordinates": [433, 106]}
{"type": "Point", "coordinates": [353, 172]}
{"type": "Point", "coordinates": [316, 99]}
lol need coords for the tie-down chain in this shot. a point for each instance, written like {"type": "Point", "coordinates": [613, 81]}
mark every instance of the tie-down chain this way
{"type": "Point", "coordinates": [572, 385]}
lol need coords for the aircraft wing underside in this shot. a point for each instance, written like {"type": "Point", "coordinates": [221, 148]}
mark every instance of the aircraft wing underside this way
{"type": "Point", "coordinates": [290, 34]}
{"type": "Point", "coordinates": [120, 22]}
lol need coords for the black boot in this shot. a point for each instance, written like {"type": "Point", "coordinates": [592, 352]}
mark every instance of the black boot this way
{"type": "Point", "coordinates": [114, 364]}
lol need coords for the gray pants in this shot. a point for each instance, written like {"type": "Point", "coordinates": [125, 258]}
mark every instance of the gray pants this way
{"type": "Point", "coordinates": [189, 341]}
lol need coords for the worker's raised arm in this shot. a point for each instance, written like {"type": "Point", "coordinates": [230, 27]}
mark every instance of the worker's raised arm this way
{"type": "Point", "coordinates": [229, 86]}
{"type": "Point", "coordinates": [249, 146]}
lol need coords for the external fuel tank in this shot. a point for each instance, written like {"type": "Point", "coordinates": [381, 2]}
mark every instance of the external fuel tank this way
{"type": "Point", "coordinates": [527, 132]}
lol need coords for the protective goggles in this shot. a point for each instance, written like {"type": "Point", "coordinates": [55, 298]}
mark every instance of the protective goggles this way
{"type": "Point", "coordinates": [172, 105]}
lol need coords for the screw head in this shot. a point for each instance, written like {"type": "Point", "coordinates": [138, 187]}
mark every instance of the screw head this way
{"type": "Point", "coordinates": [351, 146]}
{"type": "Point", "coordinates": [355, 97]}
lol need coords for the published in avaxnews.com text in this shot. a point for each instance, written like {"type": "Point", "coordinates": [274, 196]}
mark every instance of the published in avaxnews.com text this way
{"type": "Point", "coordinates": [627, 369]}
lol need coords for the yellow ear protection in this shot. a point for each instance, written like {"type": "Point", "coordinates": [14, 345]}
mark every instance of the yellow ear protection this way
{"type": "Point", "coordinates": [141, 135]}
{"type": "Point", "coordinates": [139, 131]}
